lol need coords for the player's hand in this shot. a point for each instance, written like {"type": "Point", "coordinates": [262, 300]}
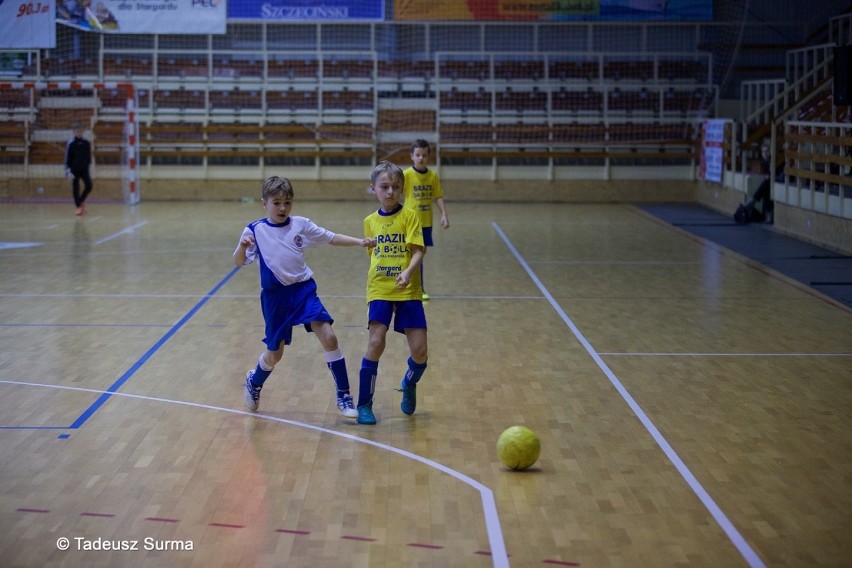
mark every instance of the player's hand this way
{"type": "Point", "coordinates": [445, 223]}
{"type": "Point", "coordinates": [247, 241]}
{"type": "Point", "coordinates": [368, 242]}
{"type": "Point", "coordinates": [402, 280]}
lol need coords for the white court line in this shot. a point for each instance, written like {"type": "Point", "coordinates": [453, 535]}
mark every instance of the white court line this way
{"type": "Point", "coordinates": [613, 354]}
{"type": "Point", "coordinates": [618, 262]}
{"type": "Point", "coordinates": [733, 534]}
{"type": "Point", "coordinates": [129, 229]}
{"type": "Point", "coordinates": [499, 556]}
{"type": "Point", "coordinates": [237, 296]}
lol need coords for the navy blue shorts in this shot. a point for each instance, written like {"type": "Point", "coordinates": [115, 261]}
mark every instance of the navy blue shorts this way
{"type": "Point", "coordinates": [427, 237]}
{"type": "Point", "coordinates": [406, 315]}
{"type": "Point", "coordinates": [288, 306]}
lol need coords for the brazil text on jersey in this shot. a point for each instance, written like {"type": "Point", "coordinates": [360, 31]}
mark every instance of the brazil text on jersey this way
{"type": "Point", "coordinates": [394, 238]}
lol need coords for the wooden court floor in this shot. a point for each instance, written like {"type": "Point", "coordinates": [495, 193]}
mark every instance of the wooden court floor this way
{"type": "Point", "coordinates": [694, 409]}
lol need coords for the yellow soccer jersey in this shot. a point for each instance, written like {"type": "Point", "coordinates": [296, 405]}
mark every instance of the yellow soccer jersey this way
{"type": "Point", "coordinates": [420, 191]}
{"type": "Point", "coordinates": [394, 232]}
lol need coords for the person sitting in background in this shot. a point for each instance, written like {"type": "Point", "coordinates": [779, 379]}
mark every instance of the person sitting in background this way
{"type": "Point", "coordinates": [763, 194]}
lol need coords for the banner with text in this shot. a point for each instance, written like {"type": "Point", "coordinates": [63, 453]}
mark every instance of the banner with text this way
{"type": "Point", "coordinates": [307, 10]}
{"type": "Point", "coordinates": [145, 16]}
{"type": "Point", "coordinates": [554, 10]}
{"type": "Point", "coordinates": [27, 24]}
{"type": "Point", "coordinates": [712, 156]}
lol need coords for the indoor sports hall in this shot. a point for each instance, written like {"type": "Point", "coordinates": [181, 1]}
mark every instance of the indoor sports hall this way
{"type": "Point", "coordinates": [688, 376]}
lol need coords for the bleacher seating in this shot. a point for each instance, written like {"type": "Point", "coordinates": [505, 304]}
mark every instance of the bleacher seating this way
{"type": "Point", "coordinates": [226, 67]}
{"type": "Point", "coordinates": [179, 100]}
{"type": "Point", "coordinates": [292, 100]}
{"type": "Point", "coordinates": [182, 66]}
{"type": "Point", "coordinates": [127, 66]}
{"type": "Point", "coordinates": [108, 141]}
{"type": "Point", "coordinates": [588, 101]}
{"type": "Point", "coordinates": [525, 101]}
{"type": "Point", "coordinates": [464, 70]}
{"type": "Point", "coordinates": [519, 70]}
{"type": "Point", "coordinates": [402, 69]}
{"type": "Point", "coordinates": [348, 100]}
{"type": "Point", "coordinates": [293, 69]}
{"type": "Point", "coordinates": [466, 101]}
{"type": "Point", "coordinates": [347, 68]}
{"type": "Point", "coordinates": [13, 141]}
{"type": "Point", "coordinates": [337, 101]}
{"type": "Point", "coordinates": [573, 70]}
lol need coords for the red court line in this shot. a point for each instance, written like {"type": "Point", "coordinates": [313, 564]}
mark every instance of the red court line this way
{"type": "Point", "coordinates": [22, 510]}
{"type": "Point", "coordinates": [227, 526]}
{"type": "Point", "coordinates": [105, 515]}
{"type": "Point", "coordinates": [161, 520]}
{"type": "Point", "coordinates": [359, 538]}
{"type": "Point", "coordinates": [421, 545]}
{"type": "Point", "coordinates": [291, 531]}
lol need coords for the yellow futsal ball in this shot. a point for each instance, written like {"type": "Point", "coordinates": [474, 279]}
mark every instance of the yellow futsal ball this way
{"type": "Point", "coordinates": [518, 447]}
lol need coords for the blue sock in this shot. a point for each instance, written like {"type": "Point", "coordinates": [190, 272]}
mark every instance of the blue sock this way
{"type": "Point", "coordinates": [340, 376]}
{"type": "Point", "coordinates": [260, 376]}
{"type": "Point", "coordinates": [369, 370]}
{"type": "Point", "coordinates": [415, 371]}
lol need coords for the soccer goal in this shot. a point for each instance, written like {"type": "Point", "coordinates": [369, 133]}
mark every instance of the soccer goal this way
{"type": "Point", "coordinates": [38, 119]}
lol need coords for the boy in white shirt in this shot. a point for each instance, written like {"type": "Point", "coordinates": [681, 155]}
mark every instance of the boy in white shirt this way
{"type": "Point", "coordinates": [288, 292]}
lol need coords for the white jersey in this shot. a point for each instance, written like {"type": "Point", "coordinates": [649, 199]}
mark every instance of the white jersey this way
{"type": "Point", "coordinates": [281, 249]}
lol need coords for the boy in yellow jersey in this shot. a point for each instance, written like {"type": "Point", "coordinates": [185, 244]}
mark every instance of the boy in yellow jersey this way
{"type": "Point", "coordinates": [422, 187]}
{"type": "Point", "coordinates": [394, 291]}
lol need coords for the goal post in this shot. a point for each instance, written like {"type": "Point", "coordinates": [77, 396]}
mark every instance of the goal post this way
{"type": "Point", "coordinates": [37, 119]}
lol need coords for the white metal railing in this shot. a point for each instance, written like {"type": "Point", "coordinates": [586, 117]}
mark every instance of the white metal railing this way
{"type": "Point", "coordinates": [840, 30]}
{"type": "Point", "coordinates": [818, 170]}
{"type": "Point", "coordinates": [806, 79]}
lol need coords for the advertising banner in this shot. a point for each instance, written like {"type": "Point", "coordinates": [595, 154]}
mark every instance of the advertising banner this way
{"type": "Point", "coordinates": [27, 24]}
{"type": "Point", "coordinates": [711, 162]}
{"type": "Point", "coordinates": [553, 10]}
{"type": "Point", "coordinates": [144, 16]}
{"type": "Point", "coordinates": [307, 10]}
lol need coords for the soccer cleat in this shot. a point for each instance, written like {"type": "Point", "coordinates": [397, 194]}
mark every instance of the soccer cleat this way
{"type": "Point", "coordinates": [346, 406]}
{"type": "Point", "coordinates": [425, 297]}
{"type": "Point", "coordinates": [252, 393]}
{"type": "Point", "coordinates": [409, 397]}
{"type": "Point", "coordinates": [365, 414]}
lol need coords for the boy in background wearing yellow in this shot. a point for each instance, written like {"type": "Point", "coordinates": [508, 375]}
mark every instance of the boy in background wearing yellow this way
{"type": "Point", "coordinates": [422, 187]}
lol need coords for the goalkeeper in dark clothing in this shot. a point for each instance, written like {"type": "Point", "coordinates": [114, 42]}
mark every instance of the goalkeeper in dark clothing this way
{"type": "Point", "coordinates": [78, 157]}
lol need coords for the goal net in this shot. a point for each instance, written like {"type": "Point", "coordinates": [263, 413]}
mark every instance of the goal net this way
{"type": "Point", "coordinates": [37, 119]}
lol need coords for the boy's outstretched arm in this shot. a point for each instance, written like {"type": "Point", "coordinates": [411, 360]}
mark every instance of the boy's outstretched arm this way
{"type": "Point", "coordinates": [347, 241]}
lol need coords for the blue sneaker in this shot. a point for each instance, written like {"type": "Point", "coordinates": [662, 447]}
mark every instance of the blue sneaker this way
{"type": "Point", "coordinates": [365, 414]}
{"type": "Point", "coordinates": [251, 396]}
{"type": "Point", "coordinates": [409, 397]}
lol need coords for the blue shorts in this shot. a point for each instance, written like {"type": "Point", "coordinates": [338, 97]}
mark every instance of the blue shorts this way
{"type": "Point", "coordinates": [288, 306]}
{"type": "Point", "coordinates": [408, 314]}
{"type": "Point", "coordinates": [427, 237]}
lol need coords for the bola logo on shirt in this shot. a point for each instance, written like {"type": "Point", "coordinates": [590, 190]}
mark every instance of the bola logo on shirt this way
{"type": "Point", "coordinates": [297, 240]}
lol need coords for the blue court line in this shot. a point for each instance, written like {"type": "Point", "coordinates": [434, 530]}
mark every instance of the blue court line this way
{"type": "Point", "coordinates": [138, 364]}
